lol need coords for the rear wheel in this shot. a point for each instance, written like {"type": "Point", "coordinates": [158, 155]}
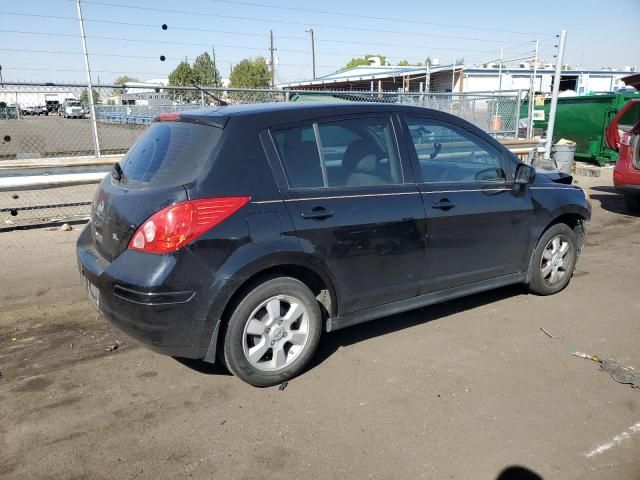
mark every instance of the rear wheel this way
{"type": "Point", "coordinates": [632, 202]}
{"type": "Point", "coordinates": [554, 260]}
{"type": "Point", "coordinates": [273, 332]}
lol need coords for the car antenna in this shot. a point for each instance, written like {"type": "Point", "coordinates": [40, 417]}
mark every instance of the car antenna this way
{"type": "Point", "coordinates": [218, 101]}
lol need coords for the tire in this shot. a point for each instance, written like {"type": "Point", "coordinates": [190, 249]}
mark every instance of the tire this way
{"type": "Point", "coordinates": [551, 268]}
{"type": "Point", "coordinates": [632, 202]}
{"type": "Point", "coordinates": [262, 346]}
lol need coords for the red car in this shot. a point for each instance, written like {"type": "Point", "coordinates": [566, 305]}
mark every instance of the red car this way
{"type": "Point", "coordinates": [623, 134]}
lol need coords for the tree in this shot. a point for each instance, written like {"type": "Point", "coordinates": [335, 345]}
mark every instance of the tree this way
{"type": "Point", "coordinates": [250, 73]}
{"type": "Point", "coordinates": [121, 81]}
{"type": "Point", "coordinates": [405, 63]}
{"type": "Point", "coordinates": [205, 72]}
{"type": "Point", "coordinates": [84, 97]}
{"type": "Point", "coordinates": [125, 79]}
{"type": "Point", "coordinates": [182, 76]}
{"type": "Point", "coordinates": [356, 62]}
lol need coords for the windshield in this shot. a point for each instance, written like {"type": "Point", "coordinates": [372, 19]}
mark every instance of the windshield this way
{"type": "Point", "coordinates": [74, 104]}
{"type": "Point", "coordinates": [170, 154]}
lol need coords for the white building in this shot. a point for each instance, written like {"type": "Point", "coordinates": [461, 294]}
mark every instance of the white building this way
{"type": "Point", "coordinates": [489, 79]}
{"type": "Point", "coordinates": [447, 78]}
{"type": "Point", "coordinates": [36, 96]}
{"type": "Point", "coordinates": [149, 93]}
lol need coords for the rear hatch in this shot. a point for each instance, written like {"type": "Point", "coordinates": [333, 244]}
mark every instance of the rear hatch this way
{"type": "Point", "coordinates": [154, 171]}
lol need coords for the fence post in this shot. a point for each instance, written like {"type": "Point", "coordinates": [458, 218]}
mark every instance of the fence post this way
{"type": "Point", "coordinates": [473, 109]}
{"type": "Point", "coordinates": [92, 108]}
{"type": "Point", "coordinates": [554, 96]}
{"type": "Point", "coordinates": [517, 132]}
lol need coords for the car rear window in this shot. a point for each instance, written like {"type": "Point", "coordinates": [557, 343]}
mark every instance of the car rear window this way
{"type": "Point", "coordinates": [170, 154]}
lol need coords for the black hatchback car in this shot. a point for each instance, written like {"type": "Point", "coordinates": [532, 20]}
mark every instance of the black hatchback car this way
{"type": "Point", "coordinates": [244, 232]}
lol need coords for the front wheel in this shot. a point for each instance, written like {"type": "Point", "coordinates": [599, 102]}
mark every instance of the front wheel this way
{"type": "Point", "coordinates": [554, 260]}
{"type": "Point", "coordinates": [273, 332]}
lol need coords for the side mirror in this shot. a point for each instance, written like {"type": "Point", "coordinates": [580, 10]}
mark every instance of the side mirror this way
{"type": "Point", "coordinates": [524, 174]}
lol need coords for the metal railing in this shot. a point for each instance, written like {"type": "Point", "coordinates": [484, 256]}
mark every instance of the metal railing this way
{"type": "Point", "coordinates": [36, 128]}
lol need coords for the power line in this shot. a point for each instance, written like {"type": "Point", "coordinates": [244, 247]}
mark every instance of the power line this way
{"type": "Point", "coordinates": [289, 22]}
{"type": "Point", "coordinates": [148, 25]}
{"type": "Point", "coordinates": [165, 42]}
{"type": "Point", "coordinates": [265, 36]}
{"type": "Point", "coordinates": [51, 69]}
{"type": "Point", "coordinates": [62, 52]}
{"type": "Point", "coordinates": [371, 17]}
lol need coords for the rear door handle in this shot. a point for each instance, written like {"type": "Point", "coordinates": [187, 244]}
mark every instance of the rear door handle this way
{"type": "Point", "coordinates": [443, 204]}
{"type": "Point", "coordinates": [317, 213]}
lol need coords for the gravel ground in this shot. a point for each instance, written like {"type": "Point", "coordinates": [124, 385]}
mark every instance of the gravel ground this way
{"type": "Point", "coordinates": [459, 390]}
{"type": "Point", "coordinates": [55, 136]}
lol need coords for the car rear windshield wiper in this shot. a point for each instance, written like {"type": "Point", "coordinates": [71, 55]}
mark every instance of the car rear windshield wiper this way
{"type": "Point", "coordinates": [117, 172]}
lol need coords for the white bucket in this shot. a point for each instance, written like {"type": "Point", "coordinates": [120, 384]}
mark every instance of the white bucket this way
{"type": "Point", "coordinates": [564, 157]}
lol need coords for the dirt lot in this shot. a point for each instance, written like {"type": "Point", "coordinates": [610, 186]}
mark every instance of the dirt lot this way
{"type": "Point", "coordinates": [55, 136]}
{"type": "Point", "coordinates": [460, 390]}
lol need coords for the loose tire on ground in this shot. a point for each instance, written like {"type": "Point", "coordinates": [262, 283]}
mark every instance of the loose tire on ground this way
{"type": "Point", "coordinates": [273, 332]}
{"type": "Point", "coordinates": [554, 260]}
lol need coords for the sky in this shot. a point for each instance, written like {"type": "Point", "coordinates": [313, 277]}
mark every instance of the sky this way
{"type": "Point", "coordinates": [40, 39]}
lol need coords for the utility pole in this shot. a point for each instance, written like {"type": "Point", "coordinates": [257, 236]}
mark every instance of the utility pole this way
{"type": "Point", "coordinates": [554, 95]}
{"type": "Point", "coordinates": [532, 92]}
{"type": "Point", "coordinates": [273, 67]}
{"type": "Point", "coordinates": [92, 108]}
{"type": "Point", "coordinates": [313, 51]}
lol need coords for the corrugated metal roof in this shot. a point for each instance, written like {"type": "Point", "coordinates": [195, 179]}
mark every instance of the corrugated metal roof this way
{"type": "Point", "coordinates": [363, 73]}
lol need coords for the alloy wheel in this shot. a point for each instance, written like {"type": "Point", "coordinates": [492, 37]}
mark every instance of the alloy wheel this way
{"type": "Point", "coordinates": [555, 260]}
{"type": "Point", "coordinates": [276, 333]}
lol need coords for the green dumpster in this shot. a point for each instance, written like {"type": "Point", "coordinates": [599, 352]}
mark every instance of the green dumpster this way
{"type": "Point", "coordinates": [584, 120]}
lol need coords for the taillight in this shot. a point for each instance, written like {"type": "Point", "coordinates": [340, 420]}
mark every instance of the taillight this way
{"type": "Point", "coordinates": [176, 225]}
{"type": "Point", "coordinates": [625, 139]}
{"type": "Point", "coordinates": [168, 117]}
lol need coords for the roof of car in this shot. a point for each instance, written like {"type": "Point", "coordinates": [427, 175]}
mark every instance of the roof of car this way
{"type": "Point", "coordinates": [257, 108]}
{"type": "Point", "coordinates": [287, 111]}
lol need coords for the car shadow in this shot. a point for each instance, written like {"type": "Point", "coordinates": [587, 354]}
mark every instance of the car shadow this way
{"type": "Point", "coordinates": [330, 343]}
{"type": "Point", "coordinates": [611, 201]}
{"type": "Point", "coordinates": [206, 368]}
{"type": "Point", "coordinates": [517, 472]}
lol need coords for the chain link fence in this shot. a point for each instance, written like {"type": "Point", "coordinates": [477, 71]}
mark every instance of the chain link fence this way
{"type": "Point", "coordinates": [42, 122]}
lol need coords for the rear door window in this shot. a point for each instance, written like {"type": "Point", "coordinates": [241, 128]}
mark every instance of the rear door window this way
{"type": "Point", "coordinates": [345, 153]}
{"type": "Point", "coordinates": [170, 154]}
{"type": "Point", "coordinates": [298, 150]}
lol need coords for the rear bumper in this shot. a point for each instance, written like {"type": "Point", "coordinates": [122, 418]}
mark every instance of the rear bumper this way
{"type": "Point", "coordinates": [627, 189]}
{"type": "Point", "coordinates": [169, 303]}
{"type": "Point", "coordinates": [625, 177]}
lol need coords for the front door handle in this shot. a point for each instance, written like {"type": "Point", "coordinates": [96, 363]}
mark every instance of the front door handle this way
{"type": "Point", "coordinates": [443, 204]}
{"type": "Point", "coordinates": [317, 213]}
